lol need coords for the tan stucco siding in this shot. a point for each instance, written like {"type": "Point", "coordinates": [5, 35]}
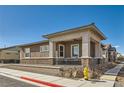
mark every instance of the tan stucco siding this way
{"type": "Point", "coordinates": [9, 55]}
{"type": "Point", "coordinates": [68, 36]}
{"type": "Point", "coordinates": [34, 51]}
{"type": "Point", "coordinates": [76, 34]}
{"type": "Point", "coordinates": [39, 54]}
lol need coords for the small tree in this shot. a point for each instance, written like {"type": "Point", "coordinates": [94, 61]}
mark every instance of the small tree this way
{"type": "Point", "coordinates": [120, 57]}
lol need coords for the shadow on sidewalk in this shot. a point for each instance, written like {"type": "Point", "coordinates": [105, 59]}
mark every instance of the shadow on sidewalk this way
{"type": "Point", "coordinates": [94, 80]}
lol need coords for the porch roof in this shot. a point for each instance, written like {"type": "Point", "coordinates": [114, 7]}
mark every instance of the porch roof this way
{"type": "Point", "coordinates": [92, 25]}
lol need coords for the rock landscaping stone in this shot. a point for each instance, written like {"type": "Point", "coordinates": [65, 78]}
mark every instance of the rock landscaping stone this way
{"type": "Point", "coordinates": [71, 72]}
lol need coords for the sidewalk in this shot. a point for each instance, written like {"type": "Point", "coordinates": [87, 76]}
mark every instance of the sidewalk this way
{"type": "Point", "coordinates": [112, 73]}
{"type": "Point", "coordinates": [53, 81]}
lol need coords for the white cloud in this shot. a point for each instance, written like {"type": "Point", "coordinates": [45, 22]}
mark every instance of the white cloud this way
{"type": "Point", "coordinates": [117, 46]}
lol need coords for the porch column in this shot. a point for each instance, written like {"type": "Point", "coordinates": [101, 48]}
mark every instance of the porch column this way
{"type": "Point", "coordinates": [54, 50]}
{"type": "Point", "coordinates": [100, 50]}
{"type": "Point", "coordinates": [86, 45]}
{"type": "Point", "coordinates": [86, 58]}
{"type": "Point", "coordinates": [51, 49]}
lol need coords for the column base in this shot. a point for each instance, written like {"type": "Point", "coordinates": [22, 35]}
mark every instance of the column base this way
{"type": "Point", "coordinates": [87, 62]}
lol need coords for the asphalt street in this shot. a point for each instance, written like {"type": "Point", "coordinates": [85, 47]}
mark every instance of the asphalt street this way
{"type": "Point", "coordinates": [9, 82]}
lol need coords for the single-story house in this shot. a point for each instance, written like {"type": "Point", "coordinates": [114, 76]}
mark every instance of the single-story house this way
{"type": "Point", "coordinates": [9, 55]}
{"type": "Point", "coordinates": [76, 46]}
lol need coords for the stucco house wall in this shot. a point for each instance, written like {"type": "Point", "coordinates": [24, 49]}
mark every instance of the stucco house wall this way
{"type": "Point", "coordinates": [35, 51]}
{"type": "Point", "coordinates": [9, 55]}
{"type": "Point", "coordinates": [36, 56]}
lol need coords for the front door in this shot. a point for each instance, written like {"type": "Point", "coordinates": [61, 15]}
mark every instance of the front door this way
{"type": "Point", "coordinates": [61, 51]}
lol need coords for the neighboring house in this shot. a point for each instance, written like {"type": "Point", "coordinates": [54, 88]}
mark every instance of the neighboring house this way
{"type": "Point", "coordinates": [9, 55]}
{"type": "Point", "coordinates": [79, 46]}
{"type": "Point", "coordinates": [109, 53]}
{"type": "Point", "coordinates": [112, 54]}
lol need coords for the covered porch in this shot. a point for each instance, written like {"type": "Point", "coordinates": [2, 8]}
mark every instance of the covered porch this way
{"type": "Point", "coordinates": [71, 50]}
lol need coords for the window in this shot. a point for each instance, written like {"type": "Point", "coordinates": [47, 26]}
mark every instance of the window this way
{"type": "Point", "coordinates": [61, 50]}
{"type": "Point", "coordinates": [44, 48]}
{"type": "Point", "coordinates": [75, 50]}
{"type": "Point", "coordinates": [27, 52]}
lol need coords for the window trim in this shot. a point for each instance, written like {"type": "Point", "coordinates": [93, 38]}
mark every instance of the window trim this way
{"type": "Point", "coordinates": [25, 53]}
{"type": "Point", "coordinates": [63, 50]}
{"type": "Point", "coordinates": [44, 50]}
{"type": "Point", "coordinates": [71, 50]}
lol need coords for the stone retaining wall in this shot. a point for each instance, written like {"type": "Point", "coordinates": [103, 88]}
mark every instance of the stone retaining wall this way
{"type": "Point", "coordinates": [48, 61]}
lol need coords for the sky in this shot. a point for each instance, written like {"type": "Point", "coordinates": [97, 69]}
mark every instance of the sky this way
{"type": "Point", "coordinates": [26, 24]}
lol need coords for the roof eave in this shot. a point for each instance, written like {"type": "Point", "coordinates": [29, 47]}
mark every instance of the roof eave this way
{"type": "Point", "coordinates": [66, 31]}
{"type": "Point", "coordinates": [92, 25]}
{"type": "Point", "coordinates": [98, 31]}
{"type": "Point", "coordinates": [34, 43]}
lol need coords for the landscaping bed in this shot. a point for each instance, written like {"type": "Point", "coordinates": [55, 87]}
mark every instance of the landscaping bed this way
{"type": "Point", "coordinates": [100, 69]}
{"type": "Point", "coordinates": [120, 78]}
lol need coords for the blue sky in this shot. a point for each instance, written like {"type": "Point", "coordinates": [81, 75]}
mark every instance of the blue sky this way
{"type": "Point", "coordinates": [25, 24]}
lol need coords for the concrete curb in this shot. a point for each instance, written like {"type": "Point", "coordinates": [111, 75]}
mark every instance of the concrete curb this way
{"type": "Point", "coordinates": [41, 82]}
